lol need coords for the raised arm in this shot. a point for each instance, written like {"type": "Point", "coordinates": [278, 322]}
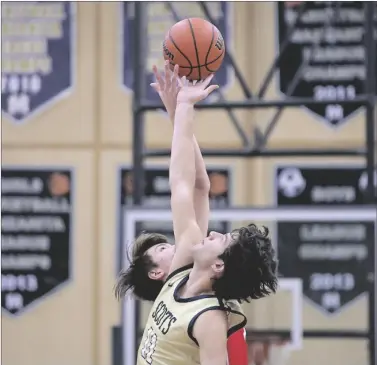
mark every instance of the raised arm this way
{"type": "Point", "coordinates": [182, 171]}
{"type": "Point", "coordinates": [182, 175]}
{"type": "Point", "coordinates": [201, 191]}
{"type": "Point", "coordinates": [167, 87]}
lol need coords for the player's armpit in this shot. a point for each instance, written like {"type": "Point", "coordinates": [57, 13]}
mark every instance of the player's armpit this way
{"type": "Point", "coordinates": [210, 331]}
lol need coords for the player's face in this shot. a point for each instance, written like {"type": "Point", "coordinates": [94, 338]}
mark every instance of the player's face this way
{"type": "Point", "coordinates": [207, 252]}
{"type": "Point", "coordinates": [162, 255]}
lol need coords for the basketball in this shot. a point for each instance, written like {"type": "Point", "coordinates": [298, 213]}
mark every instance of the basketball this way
{"type": "Point", "coordinates": [197, 46]}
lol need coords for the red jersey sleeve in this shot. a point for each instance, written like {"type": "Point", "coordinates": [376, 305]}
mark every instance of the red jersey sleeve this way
{"type": "Point", "coordinates": [237, 348]}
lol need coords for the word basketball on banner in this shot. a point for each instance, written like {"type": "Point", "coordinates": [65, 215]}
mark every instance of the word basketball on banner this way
{"type": "Point", "coordinates": [36, 234]}
{"type": "Point", "coordinates": [330, 43]}
{"type": "Point", "coordinates": [157, 194]}
{"type": "Point", "coordinates": [161, 16]}
{"type": "Point", "coordinates": [333, 258]}
{"type": "Point", "coordinates": [37, 56]}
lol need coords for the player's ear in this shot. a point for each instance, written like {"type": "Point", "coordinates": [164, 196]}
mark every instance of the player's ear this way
{"type": "Point", "coordinates": [156, 274]}
{"type": "Point", "coordinates": [218, 267]}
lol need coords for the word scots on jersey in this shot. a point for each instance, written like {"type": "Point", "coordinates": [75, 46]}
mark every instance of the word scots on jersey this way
{"type": "Point", "coordinates": [163, 317]}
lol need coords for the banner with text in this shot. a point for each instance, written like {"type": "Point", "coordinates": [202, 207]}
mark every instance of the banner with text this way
{"type": "Point", "coordinates": [157, 194]}
{"type": "Point", "coordinates": [335, 67]}
{"type": "Point", "coordinates": [333, 258]}
{"type": "Point", "coordinates": [36, 234]}
{"type": "Point", "coordinates": [37, 56]}
{"type": "Point", "coordinates": [160, 18]}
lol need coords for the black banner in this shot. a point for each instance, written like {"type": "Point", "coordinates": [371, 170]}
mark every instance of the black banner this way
{"type": "Point", "coordinates": [36, 232]}
{"type": "Point", "coordinates": [333, 258]}
{"type": "Point", "coordinates": [37, 55]}
{"type": "Point", "coordinates": [335, 67]}
{"type": "Point", "coordinates": [157, 194]}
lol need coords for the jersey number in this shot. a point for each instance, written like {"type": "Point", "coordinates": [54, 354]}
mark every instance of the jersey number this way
{"type": "Point", "coordinates": [149, 346]}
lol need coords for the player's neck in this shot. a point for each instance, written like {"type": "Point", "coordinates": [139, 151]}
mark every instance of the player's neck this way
{"type": "Point", "coordinates": [199, 282]}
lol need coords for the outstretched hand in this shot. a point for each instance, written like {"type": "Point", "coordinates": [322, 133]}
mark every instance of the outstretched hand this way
{"type": "Point", "coordinates": [193, 92]}
{"type": "Point", "coordinates": [173, 90]}
{"type": "Point", "coordinates": [167, 87]}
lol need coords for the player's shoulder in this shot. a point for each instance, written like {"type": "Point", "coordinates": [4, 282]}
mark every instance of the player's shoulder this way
{"type": "Point", "coordinates": [175, 276]}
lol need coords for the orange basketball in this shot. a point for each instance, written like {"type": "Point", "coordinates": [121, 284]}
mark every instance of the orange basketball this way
{"type": "Point", "coordinates": [197, 46]}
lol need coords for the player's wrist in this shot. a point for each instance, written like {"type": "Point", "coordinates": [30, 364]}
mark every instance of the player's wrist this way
{"type": "Point", "coordinates": [185, 104]}
{"type": "Point", "coordinates": [171, 114]}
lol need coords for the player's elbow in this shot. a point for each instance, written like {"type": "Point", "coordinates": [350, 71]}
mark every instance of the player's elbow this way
{"type": "Point", "coordinates": [181, 174]}
{"type": "Point", "coordinates": [182, 196]}
{"type": "Point", "coordinates": [181, 190]}
{"type": "Point", "coordinates": [202, 184]}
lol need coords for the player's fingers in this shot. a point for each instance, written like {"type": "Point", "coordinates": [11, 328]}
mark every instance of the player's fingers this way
{"type": "Point", "coordinates": [211, 88]}
{"type": "Point", "coordinates": [167, 68]}
{"type": "Point", "coordinates": [158, 76]}
{"type": "Point", "coordinates": [183, 81]}
{"type": "Point", "coordinates": [168, 75]}
{"type": "Point", "coordinates": [207, 81]}
{"type": "Point", "coordinates": [176, 71]}
{"type": "Point", "coordinates": [175, 78]}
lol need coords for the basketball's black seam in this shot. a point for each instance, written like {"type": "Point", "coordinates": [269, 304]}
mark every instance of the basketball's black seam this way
{"type": "Point", "coordinates": [213, 61]}
{"type": "Point", "coordinates": [187, 59]}
{"type": "Point", "coordinates": [205, 65]}
{"type": "Point", "coordinates": [196, 48]}
{"type": "Point", "coordinates": [210, 46]}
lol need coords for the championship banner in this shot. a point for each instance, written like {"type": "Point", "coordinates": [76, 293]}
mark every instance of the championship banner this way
{"type": "Point", "coordinates": [333, 258]}
{"type": "Point", "coordinates": [36, 234]}
{"type": "Point", "coordinates": [37, 56]}
{"type": "Point", "coordinates": [159, 20]}
{"type": "Point", "coordinates": [335, 68]}
{"type": "Point", "coordinates": [157, 194]}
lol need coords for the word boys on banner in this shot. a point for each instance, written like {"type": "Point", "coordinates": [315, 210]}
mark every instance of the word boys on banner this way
{"type": "Point", "coordinates": [37, 55]}
{"type": "Point", "coordinates": [36, 234]}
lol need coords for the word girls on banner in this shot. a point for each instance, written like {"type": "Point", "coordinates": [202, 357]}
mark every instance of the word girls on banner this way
{"type": "Point", "coordinates": [157, 194]}
{"type": "Point", "coordinates": [333, 258]}
{"type": "Point", "coordinates": [335, 68]}
{"type": "Point", "coordinates": [36, 233]}
{"type": "Point", "coordinates": [159, 20]}
{"type": "Point", "coordinates": [37, 56]}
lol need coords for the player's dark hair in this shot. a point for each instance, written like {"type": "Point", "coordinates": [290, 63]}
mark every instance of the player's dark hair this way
{"type": "Point", "coordinates": [136, 277]}
{"type": "Point", "coordinates": [250, 266]}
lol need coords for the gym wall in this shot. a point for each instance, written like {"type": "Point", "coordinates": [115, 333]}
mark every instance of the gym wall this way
{"type": "Point", "coordinates": [89, 132]}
